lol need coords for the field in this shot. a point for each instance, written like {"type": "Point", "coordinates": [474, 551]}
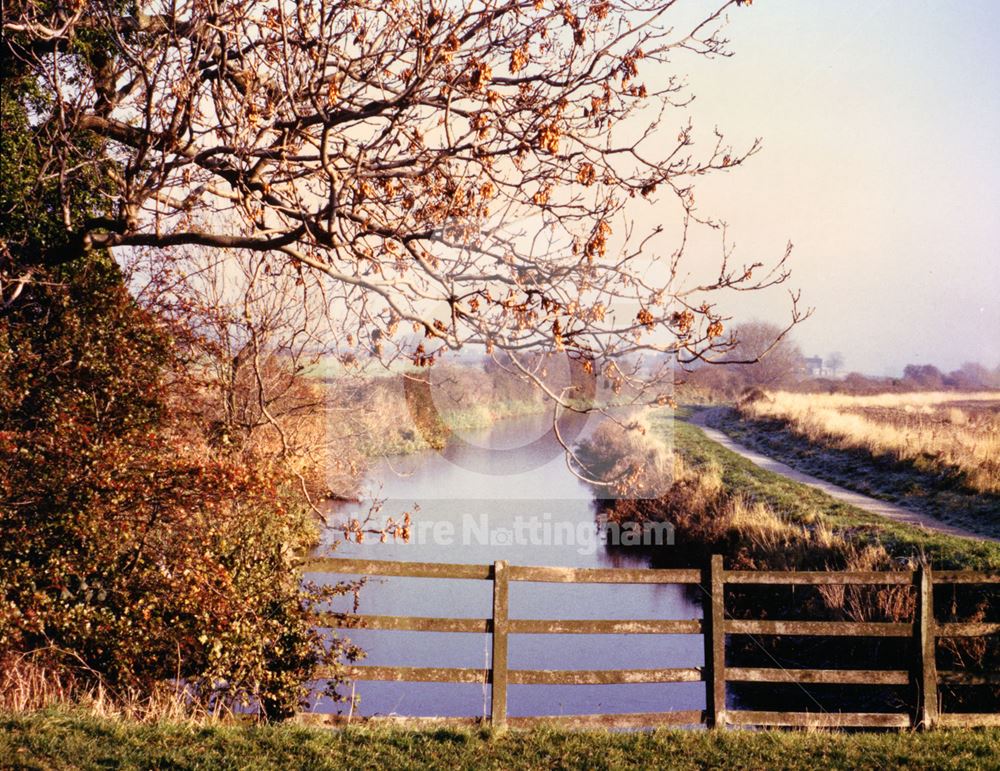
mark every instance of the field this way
{"type": "Point", "coordinates": [58, 740]}
{"type": "Point", "coordinates": [934, 452]}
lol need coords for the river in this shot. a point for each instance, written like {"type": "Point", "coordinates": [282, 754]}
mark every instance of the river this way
{"type": "Point", "coordinates": [505, 493]}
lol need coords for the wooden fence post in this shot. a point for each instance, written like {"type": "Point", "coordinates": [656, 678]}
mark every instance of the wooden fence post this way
{"type": "Point", "coordinates": [498, 671]}
{"type": "Point", "coordinates": [713, 620]}
{"type": "Point", "coordinates": [926, 641]}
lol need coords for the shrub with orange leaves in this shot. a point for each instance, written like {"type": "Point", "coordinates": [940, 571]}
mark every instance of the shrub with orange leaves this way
{"type": "Point", "coordinates": [131, 556]}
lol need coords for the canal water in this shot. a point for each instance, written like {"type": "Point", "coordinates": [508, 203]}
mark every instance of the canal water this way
{"type": "Point", "coordinates": [505, 493]}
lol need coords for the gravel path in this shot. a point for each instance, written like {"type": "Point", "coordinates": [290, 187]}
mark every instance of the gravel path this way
{"type": "Point", "coordinates": [703, 418]}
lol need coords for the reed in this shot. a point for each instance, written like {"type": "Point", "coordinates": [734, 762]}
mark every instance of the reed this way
{"type": "Point", "coordinates": [29, 685]}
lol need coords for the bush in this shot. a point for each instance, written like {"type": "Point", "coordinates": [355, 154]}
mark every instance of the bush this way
{"type": "Point", "coordinates": [133, 554]}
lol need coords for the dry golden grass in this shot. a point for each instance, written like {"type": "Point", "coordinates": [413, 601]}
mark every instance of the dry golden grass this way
{"type": "Point", "coordinates": [754, 535]}
{"type": "Point", "coordinates": [28, 686]}
{"type": "Point", "coordinates": [382, 416]}
{"type": "Point", "coordinates": [623, 454]}
{"type": "Point", "coordinates": [938, 431]}
{"type": "Point", "coordinates": [627, 449]}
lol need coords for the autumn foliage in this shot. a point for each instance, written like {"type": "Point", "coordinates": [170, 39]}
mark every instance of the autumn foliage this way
{"type": "Point", "coordinates": [458, 174]}
{"type": "Point", "coordinates": [131, 555]}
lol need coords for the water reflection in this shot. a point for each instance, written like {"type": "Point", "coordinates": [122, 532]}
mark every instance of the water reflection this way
{"type": "Point", "coordinates": [533, 512]}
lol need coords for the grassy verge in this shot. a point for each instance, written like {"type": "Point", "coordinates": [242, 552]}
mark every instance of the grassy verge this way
{"type": "Point", "coordinates": [801, 504]}
{"type": "Point", "coordinates": [928, 490]}
{"type": "Point", "coordinates": [72, 740]}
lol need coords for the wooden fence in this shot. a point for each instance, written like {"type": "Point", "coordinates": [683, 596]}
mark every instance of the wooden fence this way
{"type": "Point", "coordinates": [923, 676]}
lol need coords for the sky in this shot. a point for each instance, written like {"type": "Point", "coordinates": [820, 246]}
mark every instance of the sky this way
{"type": "Point", "coordinates": [881, 124]}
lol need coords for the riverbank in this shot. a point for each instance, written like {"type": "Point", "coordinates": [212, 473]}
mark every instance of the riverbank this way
{"type": "Point", "coordinates": [720, 502]}
{"type": "Point", "coordinates": [367, 418]}
{"type": "Point", "coordinates": [64, 740]}
{"type": "Point", "coordinates": [407, 437]}
{"type": "Point", "coordinates": [708, 419]}
{"type": "Point", "coordinates": [917, 483]}
{"type": "Point", "coordinates": [813, 510]}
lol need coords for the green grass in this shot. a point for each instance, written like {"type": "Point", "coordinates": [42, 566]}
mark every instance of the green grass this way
{"type": "Point", "coordinates": [58, 740]}
{"type": "Point", "coordinates": [801, 503]}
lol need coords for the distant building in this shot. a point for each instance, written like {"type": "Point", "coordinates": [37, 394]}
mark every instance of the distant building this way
{"type": "Point", "coordinates": [814, 366]}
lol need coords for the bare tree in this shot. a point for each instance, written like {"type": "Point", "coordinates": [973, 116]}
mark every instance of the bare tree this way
{"type": "Point", "coordinates": [450, 174]}
{"type": "Point", "coordinates": [772, 359]}
{"type": "Point", "coordinates": [251, 338]}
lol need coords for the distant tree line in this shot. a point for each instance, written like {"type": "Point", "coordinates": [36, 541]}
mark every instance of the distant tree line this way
{"type": "Point", "coordinates": [969, 377]}
{"type": "Point", "coordinates": [761, 357]}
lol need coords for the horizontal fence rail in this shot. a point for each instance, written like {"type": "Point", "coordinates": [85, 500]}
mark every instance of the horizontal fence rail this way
{"type": "Point", "coordinates": [714, 627]}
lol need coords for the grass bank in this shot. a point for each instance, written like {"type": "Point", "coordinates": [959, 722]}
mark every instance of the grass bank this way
{"type": "Point", "coordinates": [357, 418]}
{"type": "Point", "coordinates": [406, 437]}
{"type": "Point", "coordinates": [408, 412]}
{"type": "Point", "coordinates": [958, 490]}
{"type": "Point", "coordinates": [812, 509]}
{"type": "Point", "coordinates": [62, 740]}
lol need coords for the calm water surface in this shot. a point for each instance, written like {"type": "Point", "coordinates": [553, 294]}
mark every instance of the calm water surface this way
{"type": "Point", "coordinates": [506, 493]}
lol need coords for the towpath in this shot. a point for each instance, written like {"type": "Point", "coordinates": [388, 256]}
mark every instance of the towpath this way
{"type": "Point", "coordinates": [703, 419]}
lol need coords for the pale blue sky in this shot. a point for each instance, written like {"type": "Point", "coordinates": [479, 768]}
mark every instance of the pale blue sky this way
{"type": "Point", "coordinates": [881, 123]}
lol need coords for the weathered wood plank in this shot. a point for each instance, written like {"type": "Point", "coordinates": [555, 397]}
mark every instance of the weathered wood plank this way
{"type": "Point", "coordinates": [603, 575]}
{"type": "Point", "coordinates": [715, 644]}
{"type": "Point", "coordinates": [414, 674]}
{"type": "Point", "coordinates": [522, 676]}
{"type": "Point", "coordinates": [625, 720]}
{"type": "Point", "coordinates": [834, 676]}
{"type": "Point", "coordinates": [819, 719]}
{"type": "Point", "coordinates": [603, 676]}
{"type": "Point", "coordinates": [387, 568]}
{"type": "Point", "coordinates": [969, 719]}
{"type": "Point", "coordinates": [955, 677]}
{"type": "Point", "coordinates": [820, 628]}
{"type": "Point", "coordinates": [498, 674]}
{"type": "Point", "coordinates": [571, 722]}
{"type": "Point", "coordinates": [926, 649]}
{"type": "Point", "coordinates": [408, 623]}
{"type": "Point", "coordinates": [818, 577]}
{"type": "Point", "coordinates": [967, 576]}
{"type": "Point", "coordinates": [633, 576]}
{"type": "Point", "coordinates": [966, 629]}
{"type": "Point", "coordinates": [603, 626]}
{"type": "Point", "coordinates": [396, 721]}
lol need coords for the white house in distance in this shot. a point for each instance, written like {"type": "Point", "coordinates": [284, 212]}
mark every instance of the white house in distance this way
{"type": "Point", "coordinates": [814, 366]}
